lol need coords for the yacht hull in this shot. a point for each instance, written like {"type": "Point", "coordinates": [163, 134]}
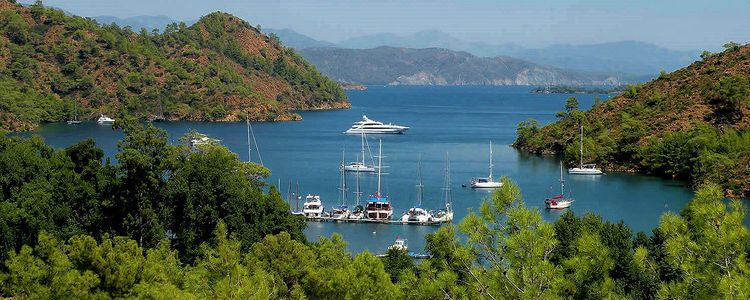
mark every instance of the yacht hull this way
{"type": "Point", "coordinates": [359, 169]}
{"type": "Point", "coordinates": [486, 185]}
{"type": "Point", "coordinates": [377, 131]}
{"type": "Point", "coordinates": [579, 171]}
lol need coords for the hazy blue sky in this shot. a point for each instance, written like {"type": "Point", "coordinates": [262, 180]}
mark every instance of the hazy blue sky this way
{"type": "Point", "coordinates": [676, 24]}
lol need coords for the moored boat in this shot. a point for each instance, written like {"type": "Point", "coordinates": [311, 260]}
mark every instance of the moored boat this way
{"type": "Point", "coordinates": [378, 206]}
{"type": "Point", "coordinates": [104, 120]}
{"type": "Point", "coordinates": [360, 166]}
{"type": "Point", "coordinates": [584, 169]}
{"type": "Point", "coordinates": [367, 125]}
{"type": "Point", "coordinates": [559, 201]}
{"type": "Point", "coordinates": [486, 182]}
{"type": "Point", "coordinates": [313, 207]}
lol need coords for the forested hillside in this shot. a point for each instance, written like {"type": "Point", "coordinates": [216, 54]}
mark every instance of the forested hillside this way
{"type": "Point", "coordinates": [220, 68]}
{"type": "Point", "coordinates": [693, 124]}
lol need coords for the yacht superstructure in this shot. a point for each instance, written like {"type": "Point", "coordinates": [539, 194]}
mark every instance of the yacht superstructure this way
{"type": "Point", "coordinates": [367, 125]}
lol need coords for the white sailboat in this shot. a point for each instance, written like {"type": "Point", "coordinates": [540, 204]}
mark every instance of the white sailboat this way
{"type": "Point", "coordinates": [418, 214]}
{"type": "Point", "coordinates": [360, 166]}
{"type": "Point", "coordinates": [584, 169]}
{"type": "Point", "coordinates": [443, 216]}
{"type": "Point", "coordinates": [296, 211]}
{"type": "Point", "coordinates": [378, 207]}
{"type": "Point", "coordinates": [559, 201]}
{"type": "Point", "coordinates": [75, 120]}
{"type": "Point", "coordinates": [341, 211]}
{"type": "Point", "coordinates": [487, 182]}
{"type": "Point", "coordinates": [358, 213]}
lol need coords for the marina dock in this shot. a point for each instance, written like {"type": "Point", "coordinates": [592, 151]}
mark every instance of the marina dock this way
{"type": "Point", "coordinates": [393, 222]}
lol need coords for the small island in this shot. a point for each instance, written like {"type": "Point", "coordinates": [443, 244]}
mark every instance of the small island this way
{"type": "Point", "coordinates": [561, 89]}
{"type": "Point", "coordinates": [352, 86]}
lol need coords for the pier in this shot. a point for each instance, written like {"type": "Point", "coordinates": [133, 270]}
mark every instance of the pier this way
{"type": "Point", "coordinates": [393, 222]}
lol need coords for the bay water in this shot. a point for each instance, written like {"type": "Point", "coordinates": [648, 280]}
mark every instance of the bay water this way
{"type": "Point", "coordinates": [458, 122]}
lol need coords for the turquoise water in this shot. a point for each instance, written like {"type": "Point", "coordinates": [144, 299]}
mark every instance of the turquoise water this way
{"type": "Point", "coordinates": [456, 120]}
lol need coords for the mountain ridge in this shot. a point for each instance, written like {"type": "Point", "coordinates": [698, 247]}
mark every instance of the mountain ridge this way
{"type": "Point", "coordinates": [438, 66]}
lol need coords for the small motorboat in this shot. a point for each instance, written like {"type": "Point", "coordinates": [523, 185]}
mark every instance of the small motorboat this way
{"type": "Point", "coordinates": [104, 120]}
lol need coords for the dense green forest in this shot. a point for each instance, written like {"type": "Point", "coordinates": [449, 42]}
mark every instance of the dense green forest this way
{"type": "Point", "coordinates": [171, 222]}
{"type": "Point", "coordinates": [221, 68]}
{"type": "Point", "coordinates": [691, 124]}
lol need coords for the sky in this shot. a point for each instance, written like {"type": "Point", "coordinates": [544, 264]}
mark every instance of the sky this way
{"type": "Point", "coordinates": [674, 24]}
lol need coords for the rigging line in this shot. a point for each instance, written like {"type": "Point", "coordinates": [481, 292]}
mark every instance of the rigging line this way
{"type": "Point", "coordinates": [367, 143]}
{"type": "Point", "coordinates": [256, 144]}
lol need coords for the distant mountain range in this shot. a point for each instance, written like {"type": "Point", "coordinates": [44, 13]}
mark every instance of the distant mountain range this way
{"type": "Point", "coordinates": [639, 60]}
{"type": "Point", "coordinates": [293, 39]}
{"type": "Point", "coordinates": [437, 66]}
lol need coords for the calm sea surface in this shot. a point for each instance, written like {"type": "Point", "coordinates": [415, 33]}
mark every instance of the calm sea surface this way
{"type": "Point", "coordinates": [456, 120]}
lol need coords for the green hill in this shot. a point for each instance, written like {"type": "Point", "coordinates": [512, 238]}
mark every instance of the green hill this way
{"type": "Point", "coordinates": [218, 69]}
{"type": "Point", "coordinates": [692, 124]}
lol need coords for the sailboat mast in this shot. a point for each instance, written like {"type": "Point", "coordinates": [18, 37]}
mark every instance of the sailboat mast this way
{"type": "Point", "coordinates": [420, 186]}
{"type": "Point", "coordinates": [363, 149]}
{"type": "Point", "coordinates": [298, 196]}
{"type": "Point", "coordinates": [581, 144]}
{"type": "Point", "coordinates": [447, 187]}
{"type": "Point", "coordinates": [289, 194]}
{"type": "Point", "coordinates": [562, 181]}
{"type": "Point", "coordinates": [343, 180]}
{"type": "Point", "coordinates": [380, 163]}
{"type": "Point", "coordinates": [358, 193]}
{"type": "Point", "coordinates": [490, 178]}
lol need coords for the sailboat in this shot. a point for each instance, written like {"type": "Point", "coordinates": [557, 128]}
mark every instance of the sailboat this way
{"type": "Point", "coordinates": [341, 212]}
{"type": "Point", "coordinates": [587, 169]}
{"type": "Point", "coordinates": [443, 216]}
{"type": "Point", "coordinates": [75, 120]}
{"type": "Point", "coordinates": [360, 166]}
{"type": "Point", "coordinates": [417, 214]}
{"type": "Point", "coordinates": [358, 213]}
{"type": "Point", "coordinates": [559, 201]}
{"type": "Point", "coordinates": [296, 211]}
{"type": "Point", "coordinates": [378, 207]}
{"type": "Point", "coordinates": [487, 182]}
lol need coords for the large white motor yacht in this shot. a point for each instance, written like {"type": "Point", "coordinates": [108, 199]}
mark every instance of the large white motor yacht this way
{"type": "Point", "coordinates": [104, 120]}
{"type": "Point", "coordinates": [367, 125]}
{"type": "Point", "coordinates": [313, 207]}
